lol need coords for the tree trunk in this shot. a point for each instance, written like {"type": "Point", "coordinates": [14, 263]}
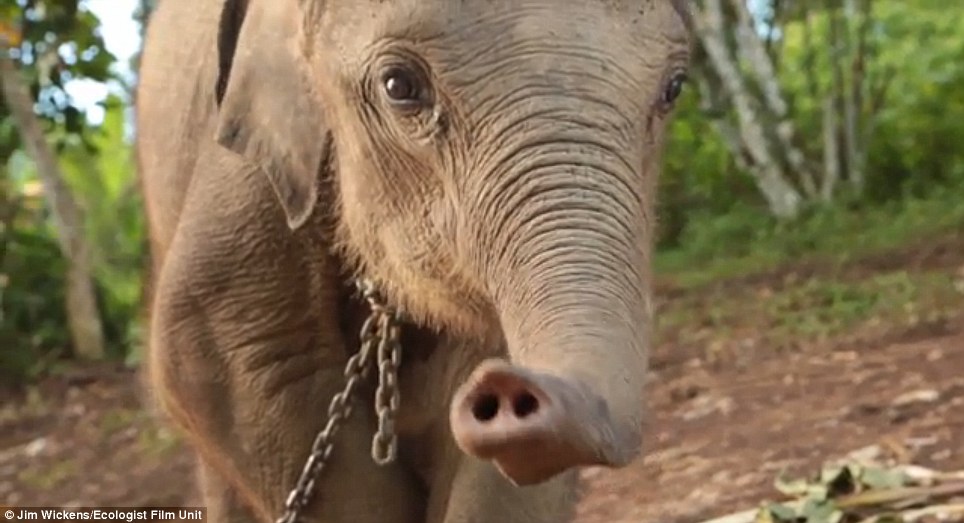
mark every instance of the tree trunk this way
{"type": "Point", "coordinates": [753, 51]}
{"type": "Point", "coordinates": [713, 106]}
{"type": "Point", "coordinates": [831, 163]}
{"type": "Point", "coordinates": [837, 152]}
{"type": "Point", "coordinates": [781, 195]}
{"type": "Point", "coordinates": [810, 55]}
{"type": "Point", "coordinates": [740, 77]}
{"type": "Point", "coordinates": [850, 26]}
{"type": "Point", "coordinates": [861, 88]}
{"type": "Point", "coordinates": [84, 319]}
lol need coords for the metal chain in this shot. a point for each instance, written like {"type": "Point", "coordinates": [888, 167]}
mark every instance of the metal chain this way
{"type": "Point", "coordinates": [379, 339]}
{"type": "Point", "coordinates": [385, 441]}
{"type": "Point", "coordinates": [389, 358]}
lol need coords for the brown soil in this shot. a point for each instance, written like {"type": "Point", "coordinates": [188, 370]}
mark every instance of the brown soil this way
{"type": "Point", "coordinates": [718, 435]}
{"type": "Point", "coordinates": [718, 439]}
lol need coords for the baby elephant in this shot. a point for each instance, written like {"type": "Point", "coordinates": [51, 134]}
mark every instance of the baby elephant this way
{"type": "Point", "coordinates": [489, 166]}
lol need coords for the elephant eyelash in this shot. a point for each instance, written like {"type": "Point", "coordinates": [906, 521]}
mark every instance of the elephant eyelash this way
{"type": "Point", "coordinates": [670, 90]}
{"type": "Point", "coordinates": [406, 66]}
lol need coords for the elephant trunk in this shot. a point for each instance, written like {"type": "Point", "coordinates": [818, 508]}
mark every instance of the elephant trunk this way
{"type": "Point", "coordinates": [569, 280]}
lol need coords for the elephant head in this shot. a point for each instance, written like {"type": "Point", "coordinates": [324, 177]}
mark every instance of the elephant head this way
{"type": "Point", "coordinates": [492, 165]}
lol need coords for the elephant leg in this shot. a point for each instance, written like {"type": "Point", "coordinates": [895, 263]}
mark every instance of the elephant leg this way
{"type": "Point", "coordinates": [246, 353]}
{"type": "Point", "coordinates": [253, 422]}
{"type": "Point", "coordinates": [478, 493]}
{"type": "Point", "coordinates": [252, 411]}
{"type": "Point", "coordinates": [222, 500]}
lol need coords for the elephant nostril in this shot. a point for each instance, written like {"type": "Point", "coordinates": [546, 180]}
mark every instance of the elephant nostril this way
{"type": "Point", "coordinates": [485, 407]}
{"type": "Point", "coordinates": [525, 404]}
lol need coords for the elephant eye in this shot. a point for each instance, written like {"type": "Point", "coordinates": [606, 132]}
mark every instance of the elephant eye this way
{"type": "Point", "coordinates": [402, 86]}
{"type": "Point", "coordinates": [674, 88]}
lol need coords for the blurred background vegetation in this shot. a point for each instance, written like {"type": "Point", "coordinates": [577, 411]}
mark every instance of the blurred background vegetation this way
{"type": "Point", "coordinates": [817, 129]}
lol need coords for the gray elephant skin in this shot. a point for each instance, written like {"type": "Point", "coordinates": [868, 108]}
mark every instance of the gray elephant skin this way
{"type": "Point", "coordinates": [489, 164]}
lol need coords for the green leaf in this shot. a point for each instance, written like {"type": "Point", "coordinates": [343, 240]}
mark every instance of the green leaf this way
{"type": "Point", "coordinates": [818, 492]}
{"type": "Point", "coordinates": [820, 512]}
{"type": "Point", "coordinates": [878, 478]}
{"type": "Point", "coordinates": [782, 512]}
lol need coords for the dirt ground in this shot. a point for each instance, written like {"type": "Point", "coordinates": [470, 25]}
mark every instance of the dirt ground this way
{"type": "Point", "coordinates": [718, 438]}
{"type": "Point", "coordinates": [720, 430]}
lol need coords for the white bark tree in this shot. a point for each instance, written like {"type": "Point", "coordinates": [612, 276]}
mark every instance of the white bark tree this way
{"type": "Point", "coordinates": [740, 90]}
{"type": "Point", "coordinates": [83, 316]}
{"type": "Point", "coordinates": [755, 132]}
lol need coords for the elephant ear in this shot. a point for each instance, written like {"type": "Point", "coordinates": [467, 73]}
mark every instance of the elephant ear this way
{"type": "Point", "coordinates": [267, 113]}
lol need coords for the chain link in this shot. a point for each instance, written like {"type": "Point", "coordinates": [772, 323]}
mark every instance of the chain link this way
{"type": "Point", "coordinates": [379, 346]}
{"type": "Point", "coordinates": [385, 441]}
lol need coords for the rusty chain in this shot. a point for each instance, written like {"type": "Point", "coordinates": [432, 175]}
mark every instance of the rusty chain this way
{"type": "Point", "coordinates": [379, 343]}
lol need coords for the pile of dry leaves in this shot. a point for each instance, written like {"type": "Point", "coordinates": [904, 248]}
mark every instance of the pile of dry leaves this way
{"type": "Point", "coordinates": [862, 489]}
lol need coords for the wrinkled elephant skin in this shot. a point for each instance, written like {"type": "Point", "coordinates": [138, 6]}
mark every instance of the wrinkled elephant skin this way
{"type": "Point", "coordinates": [490, 166]}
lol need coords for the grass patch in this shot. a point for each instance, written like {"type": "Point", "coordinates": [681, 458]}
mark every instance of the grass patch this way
{"type": "Point", "coordinates": [116, 420]}
{"type": "Point", "coordinates": [747, 241]}
{"type": "Point", "coordinates": [46, 478]}
{"type": "Point", "coordinates": [821, 309]}
{"type": "Point", "coordinates": [157, 441]}
{"type": "Point", "coordinates": [812, 310]}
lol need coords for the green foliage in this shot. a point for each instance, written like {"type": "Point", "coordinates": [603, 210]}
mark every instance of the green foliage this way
{"type": "Point", "coordinates": [49, 476]}
{"type": "Point", "coordinates": [790, 310]}
{"type": "Point", "coordinates": [820, 308]}
{"type": "Point", "coordinates": [61, 43]}
{"type": "Point", "coordinates": [919, 129]}
{"type": "Point", "coordinates": [699, 175]}
{"type": "Point", "coordinates": [855, 491]}
{"type": "Point", "coordinates": [746, 240]}
{"type": "Point", "coordinates": [103, 180]}
{"type": "Point", "coordinates": [32, 319]}
{"type": "Point", "coordinates": [101, 175]}
{"type": "Point", "coordinates": [915, 152]}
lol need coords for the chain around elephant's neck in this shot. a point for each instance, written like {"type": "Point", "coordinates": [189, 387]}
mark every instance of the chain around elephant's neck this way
{"type": "Point", "coordinates": [379, 348]}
